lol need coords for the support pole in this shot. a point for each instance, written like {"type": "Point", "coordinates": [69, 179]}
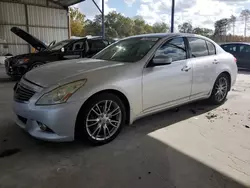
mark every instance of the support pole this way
{"type": "Point", "coordinates": [102, 12]}
{"type": "Point", "coordinates": [172, 16]}
{"type": "Point", "coordinates": [103, 24]}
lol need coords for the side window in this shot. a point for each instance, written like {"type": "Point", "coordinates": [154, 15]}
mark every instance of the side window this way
{"type": "Point", "coordinates": [229, 47]}
{"type": "Point", "coordinates": [244, 48]}
{"type": "Point", "coordinates": [77, 46]}
{"type": "Point", "coordinates": [97, 44]}
{"type": "Point", "coordinates": [175, 48]}
{"type": "Point", "coordinates": [198, 47]}
{"type": "Point", "coordinates": [211, 48]}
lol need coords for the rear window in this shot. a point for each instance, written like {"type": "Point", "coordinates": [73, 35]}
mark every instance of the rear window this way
{"type": "Point", "coordinates": [229, 47]}
{"type": "Point", "coordinates": [198, 47]}
{"type": "Point", "coordinates": [211, 48]}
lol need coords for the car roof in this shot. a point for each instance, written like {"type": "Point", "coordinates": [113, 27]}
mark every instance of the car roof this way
{"type": "Point", "coordinates": [247, 43]}
{"type": "Point", "coordinates": [165, 35]}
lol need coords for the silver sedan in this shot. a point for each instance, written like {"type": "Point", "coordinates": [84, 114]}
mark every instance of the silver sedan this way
{"type": "Point", "coordinates": [134, 77]}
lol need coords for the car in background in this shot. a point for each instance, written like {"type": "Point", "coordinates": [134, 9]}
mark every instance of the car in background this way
{"type": "Point", "coordinates": [241, 51]}
{"type": "Point", "coordinates": [94, 98]}
{"type": "Point", "coordinates": [18, 65]}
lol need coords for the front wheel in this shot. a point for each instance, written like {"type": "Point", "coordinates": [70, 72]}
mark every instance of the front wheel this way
{"type": "Point", "coordinates": [220, 89]}
{"type": "Point", "coordinates": [101, 119]}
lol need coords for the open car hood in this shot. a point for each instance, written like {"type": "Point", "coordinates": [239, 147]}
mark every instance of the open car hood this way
{"type": "Point", "coordinates": [33, 41]}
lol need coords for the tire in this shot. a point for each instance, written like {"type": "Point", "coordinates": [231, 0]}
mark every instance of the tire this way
{"type": "Point", "coordinates": [88, 119]}
{"type": "Point", "coordinates": [220, 89]}
{"type": "Point", "coordinates": [35, 65]}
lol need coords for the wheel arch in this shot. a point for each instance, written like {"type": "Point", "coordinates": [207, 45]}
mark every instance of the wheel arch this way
{"type": "Point", "coordinates": [229, 77]}
{"type": "Point", "coordinates": [118, 93]}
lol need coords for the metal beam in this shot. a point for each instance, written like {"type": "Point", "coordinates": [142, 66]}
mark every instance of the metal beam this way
{"type": "Point", "coordinates": [172, 16]}
{"type": "Point", "coordinates": [97, 6]}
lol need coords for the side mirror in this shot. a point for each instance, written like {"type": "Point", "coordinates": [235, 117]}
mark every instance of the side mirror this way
{"type": "Point", "coordinates": [162, 60]}
{"type": "Point", "coordinates": [62, 49]}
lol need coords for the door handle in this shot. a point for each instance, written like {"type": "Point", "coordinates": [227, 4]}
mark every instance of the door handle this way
{"type": "Point", "coordinates": [215, 61]}
{"type": "Point", "coordinates": [186, 68]}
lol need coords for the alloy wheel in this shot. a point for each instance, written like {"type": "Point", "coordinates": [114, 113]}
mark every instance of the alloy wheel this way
{"type": "Point", "coordinates": [103, 120]}
{"type": "Point", "coordinates": [221, 89]}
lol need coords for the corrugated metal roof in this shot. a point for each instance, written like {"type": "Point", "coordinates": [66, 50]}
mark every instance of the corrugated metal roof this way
{"type": "Point", "coordinates": [66, 3]}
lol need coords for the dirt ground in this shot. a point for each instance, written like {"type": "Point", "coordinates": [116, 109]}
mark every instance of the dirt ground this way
{"type": "Point", "coordinates": [196, 146]}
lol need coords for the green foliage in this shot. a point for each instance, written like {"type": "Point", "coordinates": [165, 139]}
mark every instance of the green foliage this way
{"type": "Point", "coordinates": [76, 22]}
{"type": "Point", "coordinates": [117, 25]}
{"type": "Point", "coordinates": [203, 31]}
{"type": "Point", "coordinates": [185, 28]}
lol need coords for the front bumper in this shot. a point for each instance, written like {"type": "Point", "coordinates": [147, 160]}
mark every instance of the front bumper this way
{"type": "Point", "coordinates": [60, 119]}
{"type": "Point", "coordinates": [13, 70]}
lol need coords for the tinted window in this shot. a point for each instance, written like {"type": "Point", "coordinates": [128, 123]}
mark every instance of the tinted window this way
{"type": "Point", "coordinates": [97, 44]}
{"type": "Point", "coordinates": [174, 48]}
{"type": "Point", "coordinates": [198, 47]}
{"type": "Point", "coordinates": [244, 48]}
{"type": "Point", "coordinates": [211, 48]}
{"type": "Point", "coordinates": [229, 47]}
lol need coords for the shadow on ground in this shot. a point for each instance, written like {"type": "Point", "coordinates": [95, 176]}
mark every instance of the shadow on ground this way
{"type": "Point", "coordinates": [134, 159]}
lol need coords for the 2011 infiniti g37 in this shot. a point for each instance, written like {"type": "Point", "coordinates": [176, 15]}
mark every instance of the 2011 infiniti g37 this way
{"type": "Point", "coordinates": [134, 77]}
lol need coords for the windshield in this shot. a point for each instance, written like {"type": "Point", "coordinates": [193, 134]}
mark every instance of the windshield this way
{"type": "Point", "coordinates": [59, 45]}
{"type": "Point", "coordinates": [128, 50]}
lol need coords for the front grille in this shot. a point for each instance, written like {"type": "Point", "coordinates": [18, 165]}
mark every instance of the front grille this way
{"type": "Point", "coordinates": [23, 93]}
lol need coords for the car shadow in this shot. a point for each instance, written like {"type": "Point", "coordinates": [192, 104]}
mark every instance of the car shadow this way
{"type": "Point", "coordinates": [135, 159]}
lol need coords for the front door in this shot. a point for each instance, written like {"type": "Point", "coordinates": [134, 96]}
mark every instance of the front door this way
{"type": "Point", "coordinates": [168, 85]}
{"type": "Point", "coordinates": [74, 51]}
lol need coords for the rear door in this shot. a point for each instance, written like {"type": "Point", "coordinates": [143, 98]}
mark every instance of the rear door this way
{"type": "Point", "coordinates": [204, 63]}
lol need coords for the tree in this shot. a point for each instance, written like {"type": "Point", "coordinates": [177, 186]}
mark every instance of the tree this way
{"type": "Point", "coordinates": [185, 28]}
{"type": "Point", "coordinates": [221, 26]}
{"type": "Point", "coordinates": [245, 15]}
{"type": "Point", "coordinates": [232, 21]}
{"type": "Point", "coordinates": [160, 28]}
{"type": "Point", "coordinates": [203, 31]}
{"type": "Point", "coordinates": [76, 22]}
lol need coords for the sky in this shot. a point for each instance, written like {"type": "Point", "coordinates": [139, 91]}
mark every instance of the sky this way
{"type": "Point", "coordinates": [201, 13]}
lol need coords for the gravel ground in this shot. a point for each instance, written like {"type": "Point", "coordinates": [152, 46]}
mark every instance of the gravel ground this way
{"type": "Point", "coordinates": [196, 145]}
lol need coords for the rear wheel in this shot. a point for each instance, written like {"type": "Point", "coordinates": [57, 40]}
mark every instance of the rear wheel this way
{"type": "Point", "coordinates": [220, 89]}
{"type": "Point", "coordinates": [101, 119]}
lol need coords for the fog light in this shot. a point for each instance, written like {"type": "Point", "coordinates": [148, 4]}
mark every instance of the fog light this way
{"type": "Point", "coordinates": [42, 126]}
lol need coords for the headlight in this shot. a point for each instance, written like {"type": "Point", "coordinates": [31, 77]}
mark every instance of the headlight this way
{"type": "Point", "coordinates": [60, 94]}
{"type": "Point", "coordinates": [22, 61]}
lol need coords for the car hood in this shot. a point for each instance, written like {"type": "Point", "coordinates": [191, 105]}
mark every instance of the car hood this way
{"type": "Point", "coordinates": [33, 41]}
{"type": "Point", "coordinates": [63, 71]}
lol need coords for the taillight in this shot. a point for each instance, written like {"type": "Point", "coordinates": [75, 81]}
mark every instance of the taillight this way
{"type": "Point", "coordinates": [235, 60]}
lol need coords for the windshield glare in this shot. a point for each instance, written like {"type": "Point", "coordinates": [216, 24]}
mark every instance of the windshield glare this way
{"type": "Point", "coordinates": [128, 50]}
{"type": "Point", "coordinates": [59, 45]}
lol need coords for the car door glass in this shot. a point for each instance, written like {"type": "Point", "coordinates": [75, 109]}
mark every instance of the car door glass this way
{"type": "Point", "coordinates": [211, 48]}
{"type": "Point", "coordinates": [174, 48]}
{"type": "Point", "coordinates": [244, 48]}
{"type": "Point", "coordinates": [229, 47]}
{"type": "Point", "coordinates": [97, 45]}
{"type": "Point", "coordinates": [78, 46]}
{"type": "Point", "coordinates": [198, 47]}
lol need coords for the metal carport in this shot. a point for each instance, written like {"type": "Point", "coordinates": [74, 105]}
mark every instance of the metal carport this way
{"type": "Point", "coordinates": [46, 19]}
